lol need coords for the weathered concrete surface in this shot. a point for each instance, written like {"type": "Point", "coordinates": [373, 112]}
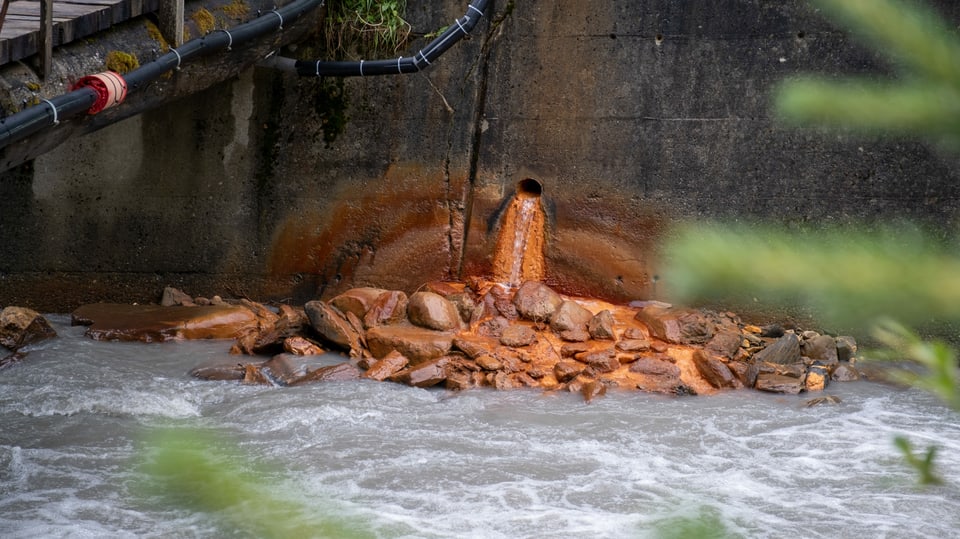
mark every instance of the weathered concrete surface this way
{"type": "Point", "coordinates": [251, 187]}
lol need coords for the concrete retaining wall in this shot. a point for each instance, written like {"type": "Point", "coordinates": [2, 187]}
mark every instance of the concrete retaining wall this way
{"type": "Point", "coordinates": [631, 116]}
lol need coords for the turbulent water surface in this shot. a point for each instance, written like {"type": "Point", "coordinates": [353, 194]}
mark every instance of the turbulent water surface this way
{"type": "Point", "coordinates": [403, 462]}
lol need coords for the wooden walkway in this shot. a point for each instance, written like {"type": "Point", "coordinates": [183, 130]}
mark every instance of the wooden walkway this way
{"type": "Point", "coordinates": [72, 20]}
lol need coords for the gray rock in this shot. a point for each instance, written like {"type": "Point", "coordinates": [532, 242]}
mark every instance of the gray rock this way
{"type": "Point", "coordinates": [821, 347]}
{"type": "Point", "coordinates": [846, 348]}
{"type": "Point", "coordinates": [783, 351]}
{"type": "Point", "coordinates": [774, 383]}
{"type": "Point", "coordinates": [676, 326]}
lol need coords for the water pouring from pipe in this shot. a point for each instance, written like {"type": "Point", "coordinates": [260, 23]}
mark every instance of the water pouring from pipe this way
{"type": "Point", "coordinates": [518, 255]}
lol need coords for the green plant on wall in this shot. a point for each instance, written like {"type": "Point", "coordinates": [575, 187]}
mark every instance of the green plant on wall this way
{"type": "Point", "coordinates": [356, 29]}
{"type": "Point", "coordinates": [856, 277]}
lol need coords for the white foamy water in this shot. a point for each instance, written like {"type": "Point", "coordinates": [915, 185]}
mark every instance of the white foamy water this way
{"type": "Point", "coordinates": [408, 462]}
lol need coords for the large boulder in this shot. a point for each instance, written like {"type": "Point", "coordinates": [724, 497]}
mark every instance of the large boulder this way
{"type": "Point", "coordinates": [384, 368]}
{"type": "Point", "coordinates": [601, 326]}
{"type": "Point", "coordinates": [822, 348]}
{"type": "Point", "coordinates": [153, 323]}
{"type": "Point", "coordinates": [775, 383]}
{"type": "Point", "coordinates": [536, 301]}
{"type": "Point", "coordinates": [331, 324]}
{"type": "Point", "coordinates": [417, 344]}
{"type": "Point", "coordinates": [426, 374]}
{"type": "Point", "coordinates": [389, 308]}
{"type": "Point", "coordinates": [432, 311]}
{"type": "Point", "coordinates": [20, 326]}
{"type": "Point", "coordinates": [357, 300]}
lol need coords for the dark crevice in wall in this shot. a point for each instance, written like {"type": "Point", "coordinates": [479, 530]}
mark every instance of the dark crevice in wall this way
{"type": "Point", "coordinates": [490, 39]}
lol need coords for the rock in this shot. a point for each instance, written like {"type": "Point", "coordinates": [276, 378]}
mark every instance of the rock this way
{"type": "Point", "coordinates": [153, 323]}
{"type": "Point", "coordinates": [474, 346]}
{"type": "Point", "coordinates": [724, 344]}
{"type": "Point", "coordinates": [417, 344]}
{"type": "Point", "coordinates": [285, 369]}
{"type": "Point", "coordinates": [633, 334]}
{"type": "Point", "coordinates": [575, 335]}
{"type": "Point", "coordinates": [493, 327]}
{"type": "Point", "coordinates": [601, 326]}
{"type": "Point", "coordinates": [488, 362]}
{"type": "Point", "coordinates": [655, 367]}
{"type": "Point", "coordinates": [432, 311]}
{"type": "Point", "coordinates": [715, 372]}
{"type": "Point", "coordinates": [822, 348]}
{"type": "Point", "coordinates": [357, 300]}
{"type": "Point", "coordinates": [772, 331]}
{"type": "Point", "coordinates": [459, 381]}
{"type": "Point", "coordinates": [676, 326]}
{"type": "Point", "coordinates": [566, 370]}
{"type": "Point", "coordinates": [253, 375]}
{"type": "Point", "coordinates": [572, 349]}
{"type": "Point", "coordinates": [633, 345]}
{"type": "Point", "coordinates": [816, 379]}
{"type": "Point", "coordinates": [570, 316]}
{"type": "Point", "coordinates": [335, 373]}
{"type": "Point", "coordinates": [332, 325]}
{"type": "Point", "coordinates": [846, 348]}
{"type": "Point", "coordinates": [746, 372]}
{"type": "Point", "coordinates": [783, 351]}
{"type": "Point", "coordinates": [219, 370]}
{"type": "Point", "coordinates": [426, 374]}
{"type": "Point", "coordinates": [536, 301]}
{"type": "Point", "coordinates": [12, 359]}
{"type": "Point", "coordinates": [172, 296]}
{"type": "Point", "coordinates": [845, 373]}
{"type": "Point", "coordinates": [20, 326]}
{"type": "Point", "coordinates": [389, 308]}
{"type": "Point", "coordinates": [301, 346]}
{"type": "Point", "coordinates": [593, 389]}
{"type": "Point", "coordinates": [601, 360]}
{"type": "Point", "coordinates": [384, 368]}
{"type": "Point", "coordinates": [775, 383]}
{"type": "Point", "coordinates": [517, 336]}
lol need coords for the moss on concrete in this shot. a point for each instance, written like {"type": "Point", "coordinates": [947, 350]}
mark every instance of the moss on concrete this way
{"type": "Point", "coordinates": [122, 62]}
{"type": "Point", "coordinates": [204, 21]}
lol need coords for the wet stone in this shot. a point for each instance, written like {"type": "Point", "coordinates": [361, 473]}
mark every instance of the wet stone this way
{"type": "Point", "coordinates": [817, 378]}
{"type": "Point", "coordinates": [20, 326]}
{"type": "Point", "coordinates": [417, 344]}
{"type": "Point", "coordinates": [572, 349]}
{"type": "Point", "coordinates": [575, 335]}
{"type": "Point", "coordinates": [357, 300]}
{"type": "Point", "coordinates": [426, 374]}
{"type": "Point", "coordinates": [774, 383]}
{"type": "Point", "coordinates": [284, 369]}
{"type": "Point", "coordinates": [219, 370]}
{"type": "Point", "coordinates": [746, 372]}
{"type": "Point", "coordinates": [334, 373]}
{"type": "Point", "coordinates": [153, 323]}
{"type": "Point", "coordinates": [432, 311]}
{"type": "Point", "coordinates": [389, 308]}
{"type": "Point", "coordinates": [725, 344]}
{"type": "Point", "coordinates": [301, 346]}
{"type": "Point", "coordinates": [493, 327]}
{"type": "Point", "coordinates": [593, 389]}
{"type": "Point", "coordinates": [488, 362]}
{"type": "Point", "coordinates": [332, 325]}
{"type": "Point", "coordinates": [384, 368]}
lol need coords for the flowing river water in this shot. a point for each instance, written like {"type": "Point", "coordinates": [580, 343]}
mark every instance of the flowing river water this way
{"type": "Point", "coordinates": [408, 462]}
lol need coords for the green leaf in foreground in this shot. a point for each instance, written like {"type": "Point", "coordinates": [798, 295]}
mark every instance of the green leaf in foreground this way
{"type": "Point", "coordinates": [190, 469]}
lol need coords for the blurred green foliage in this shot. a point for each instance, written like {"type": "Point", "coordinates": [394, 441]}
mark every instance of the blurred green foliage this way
{"type": "Point", "coordinates": [925, 98]}
{"type": "Point", "coordinates": [190, 469]}
{"type": "Point", "coordinates": [855, 278]}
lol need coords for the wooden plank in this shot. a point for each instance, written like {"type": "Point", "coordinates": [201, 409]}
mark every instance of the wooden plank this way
{"type": "Point", "coordinates": [46, 38]}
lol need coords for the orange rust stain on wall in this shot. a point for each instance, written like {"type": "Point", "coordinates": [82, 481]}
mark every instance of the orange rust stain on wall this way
{"type": "Point", "coordinates": [393, 229]}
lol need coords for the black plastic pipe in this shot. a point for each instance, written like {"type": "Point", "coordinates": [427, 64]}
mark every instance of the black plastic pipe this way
{"type": "Point", "coordinates": [421, 60]}
{"type": "Point", "coordinates": [50, 111]}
